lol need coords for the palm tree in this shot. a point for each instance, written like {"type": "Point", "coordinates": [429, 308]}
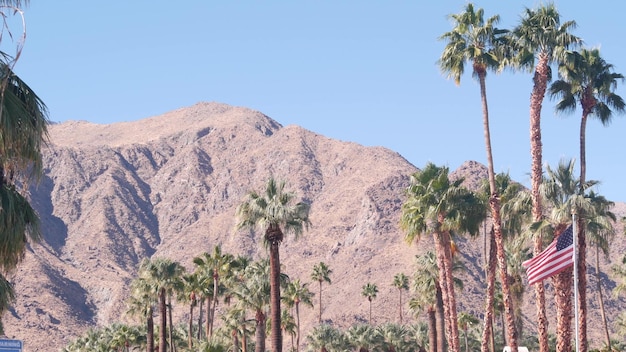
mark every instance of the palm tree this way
{"type": "Point", "coordinates": [141, 303]}
{"type": "Point", "coordinates": [363, 337]}
{"type": "Point", "coordinates": [23, 131]}
{"type": "Point", "coordinates": [325, 338]}
{"type": "Point", "coordinates": [163, 276]}
{"type": "Point", "coordinates": [540, 37]}
{"type": "Point", "coordinates": [427, 295]}
{"type": "Point", "coordinates": [394, 337]}
{"type": "Point", "coordinates": [561, 190]}
{"type": "Point", "coordinates": [437, 205]}
{"type": "Point", "coordinates": [321, 273]}
{"type": "Point", "coordinates": [274, 212]}
{"type": "Point", "coordinates": [474, 39]}
{"type": "Point", "coordinates": [466, 320]}
{"type": "Point", "coordinates": [189, 294]}
{"type": "Point", "coordinates": [401, 282]}
{"type": "Point", "coordinates": [295, 294]}
{"type": "Point", "coordinates": [601, 232]}
{"type": "Point", "coordinates": [288, 325]}
{"type": "Point", "coordinates": [587, 79]}
{"type": "Point", "coordinates": [370, 291]}
{"type": "Point", "coordinates": [218, 264]}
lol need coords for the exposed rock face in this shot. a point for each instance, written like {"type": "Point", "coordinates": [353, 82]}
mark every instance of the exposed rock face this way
{"type": "Point", "coordinates": [167, 186]}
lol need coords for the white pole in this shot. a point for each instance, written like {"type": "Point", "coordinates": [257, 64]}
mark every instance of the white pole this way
{"type": "Point", "coordinates": [575, 258]}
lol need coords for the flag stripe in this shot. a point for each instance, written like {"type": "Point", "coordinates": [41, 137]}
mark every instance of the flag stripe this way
{"type": "Point", "coordinates": [558, 256]}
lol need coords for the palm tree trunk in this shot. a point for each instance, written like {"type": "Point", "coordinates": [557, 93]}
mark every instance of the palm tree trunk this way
{"type": "Point", "coordinates": [215, 291]}
{"type": "Point", "coordinates": [441, 320]}
{"type": "Point", "coordinates": [163, 321]}
{"type": "Point", "coordinates": [150, 332]}
{"type": "Point", "coordinates": [370, 319]}
{"type": "Point", "coordinates": [443, 285]}
{"type": "Point", "coordinates": [494, 203]}
{"type": "Point", "coordinates": [563, 297]}
{"type": "Point", "coordinates": [201, 300]}
{"type": "Point", "coordinates": [400, 305]}
{"type": "Point", "coordinates": [491, 285]}
{"type": "Point", "coordinates": [452, 315]}
{"type": "Point", "coordinates": [540, 80]}
{"type": "Point", "coordinates": [298, 326]}
{"type": "Point", "coordinates": [277, 339]}
{"type": "Point", "coordinates": [582, 247]}
{"type": "Point", "coordinates": [235, 340]}
{"type": "Point", "coordinates": [190, 332]}
{"type": "Point", "coordinates": [259, 332]}
{"type": "Point", "coordinates": [601, 300]}
{"type": "Point", "coordinates": [432, 329]}
{"type": "Point", "coordinates": [209, 318]}
{"type": "Point", "coordinates": [171, 325]}
{"type": "Point", "coordinates": [320, 318]}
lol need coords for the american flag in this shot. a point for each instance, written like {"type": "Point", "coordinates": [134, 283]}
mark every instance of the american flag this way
{"type": "Point", "coordinates": [557, 257]}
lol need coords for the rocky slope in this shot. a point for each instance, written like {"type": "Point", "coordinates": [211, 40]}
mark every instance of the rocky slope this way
{"type": "Point", "coordinates": [168, 186]}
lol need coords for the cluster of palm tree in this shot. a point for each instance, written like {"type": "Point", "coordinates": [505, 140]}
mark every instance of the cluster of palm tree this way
{"type": "Point", "coordinates": [537, 42]}
{"type": "Point", "coordinates": [388, 337]}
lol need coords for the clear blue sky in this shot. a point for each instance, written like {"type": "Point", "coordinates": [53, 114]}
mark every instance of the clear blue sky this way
{"type": "Point", "coordinates": [359, 71]}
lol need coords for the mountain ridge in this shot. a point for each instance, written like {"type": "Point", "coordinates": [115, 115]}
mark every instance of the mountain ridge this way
{"type": "Point", "coordinates": [168, 185]}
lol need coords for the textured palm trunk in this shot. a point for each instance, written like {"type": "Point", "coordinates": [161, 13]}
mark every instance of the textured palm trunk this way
{"type": "Point", "coordinates": [601, 300]}
{"type": "Point", "coordinates": [277, 339]}
{"type": "Point", "coordinates": [259, 332]}
{"type": "Point", "coordinates": [320, 318]}
{"type": "Point", "coordinates": [150, 332]}
{"type": "Point", "coordinates": [298, 325]}
{"type": "Point", "coordinates": [563, 297]}
{"type": "Point", "coordinates": [201, 300]}
{"type": "Point", "coordinates": [400, 305]}
{"type": "Point", "coordinates": [162, 321]}
{"type": "Point", "coordinates": [453, 344]}
{"type": "Point", "coordinates": [170, 323]}
{"type": "Point", "coordinates": [540, 80]}
{"type": "Point", "coordinates": [370, 303]}
{"type": "Point", "coordinates": [432, 329]}
{"type": "Point", "coordinates": [209, 318]}
{"type": "Point", "coordinates": [235, 337]}
{"type": "Point", "coordinates": [444, 286]}
{"type": "Point", "coordinates": [494, 203]}
{"type": "Point", "coordinates": [582, 239]}
{"type": "Point", "coordinates": [441, 320]}
{"type": "Point", "coordinates": [491, 285]}
{"type": "Point", "coordinates": [215, 289]}
{"type": "Point", "coordinates": [190, 327]}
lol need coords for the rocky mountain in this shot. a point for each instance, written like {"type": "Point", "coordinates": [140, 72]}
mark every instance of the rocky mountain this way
{"type": "Point", "coordinates": [167, 186]}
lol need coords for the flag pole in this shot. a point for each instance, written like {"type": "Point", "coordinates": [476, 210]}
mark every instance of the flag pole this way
{"type": "Point", "coordinates": [575, 257]}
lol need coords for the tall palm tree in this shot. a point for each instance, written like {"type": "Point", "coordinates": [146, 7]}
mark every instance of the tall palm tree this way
{"type": "Point", "coordinates": [586, 79]}
{"type": "Point", "coordinates": [440, 206]}
{"type": "Point", "coordinates": [141, 303]}
{"type": "Point", "coordinates": [218, 264]}
{"type": "Point", "coordinates": [321, 273]}
{"type": "Point", "coordinates": [274, 212]}
{"type": "Point", "coordinates": [189, 294]}
{"type": "Point", "coordinates": [369, 291]}
{"type": "Point", "coordinates": [401, 282]}
{"type": "Point", "coordinates": [561, 190]}
{"type": "Point", "coordinates": [163, 276]}
{"type": "Point", "coordinates": [466, 320]}
{"type": "Point", "coordinates": [475, 40]}
{"type": "Point", "coordinates": [427, 295]}
{"type": "Point", "coordinates": [541, 37]}
{"type": "Point", "coordinates": [296, 293]}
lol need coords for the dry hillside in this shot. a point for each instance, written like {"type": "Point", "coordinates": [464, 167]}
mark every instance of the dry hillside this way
{"type": "Point", "coordinates": [168, 186]}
